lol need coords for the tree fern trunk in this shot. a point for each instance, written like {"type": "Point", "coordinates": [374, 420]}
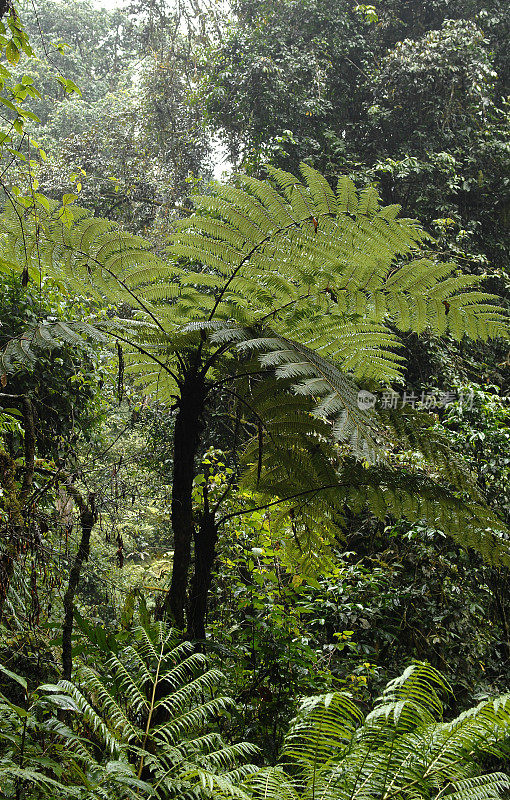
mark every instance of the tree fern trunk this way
{"type": "Point", "coordinates": [205, 544]}
{"type": "Point", "coordinates": [188, 426]}
{"type": "Point", "coordinates": [14, 499]}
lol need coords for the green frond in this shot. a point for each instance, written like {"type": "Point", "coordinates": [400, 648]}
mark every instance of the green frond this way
{"type": "Point", "coordinates": [192, 719]}
{"type": "Point", "coordinates": [282, 250]}
{"type": "Point", "coordinates": [299, 468]}
{"type": "Point", "coordinates": [34, 778]}
{"type": "Point", "coordinates": [166, 736]}
{"type": "Point", "coordinates": [271, 783]}
{"type": "Point", "coordinates": [94, 720]}
{"type": "Point", "coordinates": [48, 335]}
{"type": "Point", "coordinates": [103, 697]}
{"type": "Point", "coordinates": [402, 749]}
{"type": "Point", "coordinates": [74, 744]}
{"type": "Point", "coordinates": [133, 689]}
{"type": "Point", "coordinates": [480, 787]}
{"type": "Point", "coordinates": [177, 700]}
{"type": "Point", "coordinates": [317, 285]}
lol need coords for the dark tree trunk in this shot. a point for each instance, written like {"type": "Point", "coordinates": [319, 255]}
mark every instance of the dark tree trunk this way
{"type": "Point", "coordinates": [87, 520]}
{"type": "Point", "coordinates": [7, 558]}
{"type": "Point", "coordinates": [205, 544]}
{"type": "Point", "coordinates": [14, 530]}
{"type": "Point", "coordinates": [188, 426]}
{"type": "Point", "coordinates": [30, 444]}
{"type": "Point", "coordinates": [498, 583]}
{"type": "Point", "coordinates": [5, 6]}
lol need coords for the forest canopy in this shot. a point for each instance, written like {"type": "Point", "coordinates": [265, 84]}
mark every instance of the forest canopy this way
{"type": "Point", "coordinates": [254, 400]}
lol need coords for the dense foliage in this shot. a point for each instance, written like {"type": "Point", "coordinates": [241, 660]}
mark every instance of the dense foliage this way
{"type": "Point", "coordinates": [254, 432]}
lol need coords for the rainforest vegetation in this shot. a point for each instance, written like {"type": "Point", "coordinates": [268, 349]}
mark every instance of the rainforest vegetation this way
{"type": "Point", "coordinates": [254, 400]}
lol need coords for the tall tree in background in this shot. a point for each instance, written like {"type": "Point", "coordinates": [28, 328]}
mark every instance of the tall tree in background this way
{"type": "Point", "coordinates": [133, 144]}
{"type": "Point", "coordinates": [408, 96]}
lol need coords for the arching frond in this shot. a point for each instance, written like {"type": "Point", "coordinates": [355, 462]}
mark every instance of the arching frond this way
{"type": "Point", "coordinates": [304, 476]}
{"type": "Point", "coordinates": [401, 749]}
{"type": "Point", "coordinates": [334, 272]}
{"type": "Point", "coordinates": [151, 709]}
{"type": "Point", "coordinates": [317, 286]}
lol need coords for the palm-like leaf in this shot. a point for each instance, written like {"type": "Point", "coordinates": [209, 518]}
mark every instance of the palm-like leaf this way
{"type": "Point", "coordinates": [315, 286]}
{"type": "Point", "coordinates": [333, 272]}
{"type": "Point", "coordinates": [44, 758]}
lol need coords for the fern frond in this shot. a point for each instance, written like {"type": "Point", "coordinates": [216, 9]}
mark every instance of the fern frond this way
{"type": "Point", "coordinates": [94, 720]}
{"type": "Point", "coordinates": [165, 736]}
{"type": "Point", "coordinates": [402, 749]}
{"type": "Point", "coordinates": [314, 283]}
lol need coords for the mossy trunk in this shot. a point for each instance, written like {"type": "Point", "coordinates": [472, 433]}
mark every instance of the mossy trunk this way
{"type": "Point", "coordinates": [87, 520]}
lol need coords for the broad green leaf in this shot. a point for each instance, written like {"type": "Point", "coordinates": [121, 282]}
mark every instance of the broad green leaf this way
{"type": "Point", "coordinates": [18, 678]}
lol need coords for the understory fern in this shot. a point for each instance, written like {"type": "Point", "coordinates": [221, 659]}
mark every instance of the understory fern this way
{"type": "Point", "coordinates": [401, 750]}
{"type": "Point", "coordinates": [135, 741]}
{"type": "Point", "coordinates": [157, 708]}
{"type": "Point", "coordinates": [42, 758]}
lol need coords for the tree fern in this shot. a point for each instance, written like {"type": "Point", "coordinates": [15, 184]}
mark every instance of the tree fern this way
{"type": "Point", "coordinates": [402, 749]}
{"type": "Point", "coordinates": [332, 276]}
{"type": "Point", "coordinates": [306, 291]}
{"type": "Point", "coordinates": [295, 254]}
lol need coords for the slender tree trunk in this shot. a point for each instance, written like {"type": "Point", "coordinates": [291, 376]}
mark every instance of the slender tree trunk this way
{"type": "Point", "coordinates": [188, 426]}
{"type": "Point", "coordinates": [205, 544]}
{"type": "Point", "coordinates": [30, 444]}
{"type": "Point", "coordinates": [499, 585]}
{"type": "Point", "coordinates": [13, 530]}
{"type": "Point", "coordinates": [16, 499]}
{"type": "Point", "coordinates": [87, 519]}
{"type": "Point", "coordinates": [7, 558]}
